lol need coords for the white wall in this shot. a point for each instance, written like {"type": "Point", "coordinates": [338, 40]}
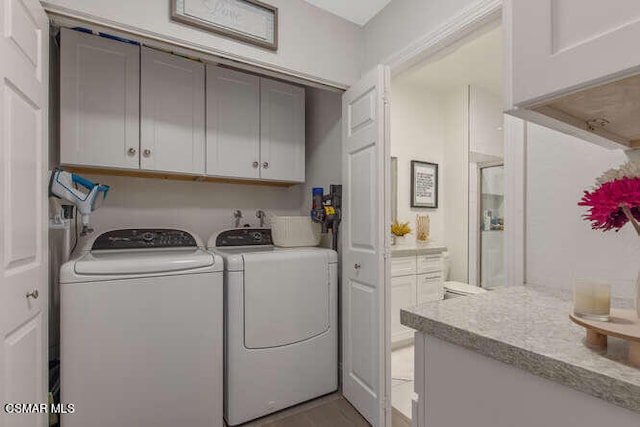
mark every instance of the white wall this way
{"type": "Point", "coordinates": [455, 181]}
{"type": "Point", "coordinates": [401, 22]}
{"type": "Point", "coordinates": [324, 146]}
{"type": "Point", "coordinates": [311, 41]}
{"type": "Point", "coordinates": [416, 134]}
{"type": "Point", "coordinates": [560, 245]}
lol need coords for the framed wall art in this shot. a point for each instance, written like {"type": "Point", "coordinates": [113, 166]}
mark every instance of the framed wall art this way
{"type": "Point", "coordinates": [424, 184]}
{"type": "Point", "coordinates": [250, 21]}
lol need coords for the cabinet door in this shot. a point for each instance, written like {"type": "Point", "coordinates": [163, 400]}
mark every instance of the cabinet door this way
{"type": "Point", "coordinates": [233, 123]}
{"type": "Point", "coordinates": [430, 287]}
{"type": "Point", "coordinates": [557, 45]}
{"type": "Point", "coordinates": [99, 101]}
{"type": "Point", "coordinates": [172, 97]}
{"type": "Point", "coordinates": [282, 131]}
{"type": "Point", "coordinates": [403, 294]}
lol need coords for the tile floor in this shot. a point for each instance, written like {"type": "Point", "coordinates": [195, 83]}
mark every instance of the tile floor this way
{"type": "Point", "coordinates": [332, 410]}
{"type": "Point", "coordinates": [402, 376]}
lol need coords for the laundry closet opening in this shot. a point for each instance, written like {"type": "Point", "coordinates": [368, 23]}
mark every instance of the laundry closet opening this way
{"type": "Point", "coordinates": [446, 127]}
{"type": "Point", "coordinates": [183, 140]}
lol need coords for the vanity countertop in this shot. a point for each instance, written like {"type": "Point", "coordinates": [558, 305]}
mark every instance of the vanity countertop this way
{"type": "Point", "coordinates": [529, 327]}
{"type": "Point", "coordinates": [416, 248]}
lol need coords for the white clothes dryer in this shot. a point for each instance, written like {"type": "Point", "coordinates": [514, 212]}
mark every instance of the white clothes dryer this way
{"type": "Point", "coordinates": [281, 341]}
{"type": "Point", "coordinates": [141, 323]}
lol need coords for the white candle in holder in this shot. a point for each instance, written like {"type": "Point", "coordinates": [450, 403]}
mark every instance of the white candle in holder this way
{"type": "Point", "coordinates": [592, 300]}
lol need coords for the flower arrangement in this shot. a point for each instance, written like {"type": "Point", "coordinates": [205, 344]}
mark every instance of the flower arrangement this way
{"type": "Point", "coordinates": [400, 229]}
{"type": "Point", "coordinates": [615, 199]}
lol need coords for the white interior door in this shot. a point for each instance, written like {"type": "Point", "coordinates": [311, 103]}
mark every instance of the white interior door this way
{"type": "Point", "coordinates": [24, 80]}
{"type": "Point", "coordinates": [365, 246]}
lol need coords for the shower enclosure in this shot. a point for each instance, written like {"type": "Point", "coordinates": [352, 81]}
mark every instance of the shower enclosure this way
{"type": "Point", "coordinates": [491, 226]}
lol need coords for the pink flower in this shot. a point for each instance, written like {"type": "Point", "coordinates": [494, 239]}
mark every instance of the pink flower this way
{"type": "Point", "coordinates": [607, 202]}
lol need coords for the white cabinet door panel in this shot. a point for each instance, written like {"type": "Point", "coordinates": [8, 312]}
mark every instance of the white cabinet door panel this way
{"type": "Point", "coordinates": [557, 45]}
{"type": "Point", "coordinates": [282, 131]}
{"type": "Point", "coordinates": [430, 287]}
{"type": "Point", "coordinates": [172, 125]}
{"type": "Point", "coordinates": [403, 295]}
{"type": "Point", "coordinates": [99, 101]}
{"type": "Point", "coordinates": [233, 123]}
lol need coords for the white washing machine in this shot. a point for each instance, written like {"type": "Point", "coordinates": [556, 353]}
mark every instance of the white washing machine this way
{"type": "Point", "coordinates": [141, 322]}
{"type": "Point", "coordinates": [281, 341]}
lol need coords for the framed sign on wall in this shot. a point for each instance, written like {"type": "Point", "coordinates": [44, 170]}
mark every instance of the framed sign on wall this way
{"type": "Point", "coordinates": [250, 21]}
{"type": "Point", "coordinates": [424, 184]}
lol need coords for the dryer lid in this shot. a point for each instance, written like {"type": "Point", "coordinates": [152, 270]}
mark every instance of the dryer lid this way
{"type": "Point", "coordinates": [142, 261]}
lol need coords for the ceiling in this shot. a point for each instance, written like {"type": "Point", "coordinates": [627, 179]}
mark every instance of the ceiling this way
{"type": "Point", "coordinates": [356, 11]}
{"type": "Point", "coordinates": [477, 62]}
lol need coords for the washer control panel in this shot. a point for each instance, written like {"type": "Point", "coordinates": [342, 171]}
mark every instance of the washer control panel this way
{"type": "Point", "coordinates": [244, 237]}
{"type": "Point", "coordinates": [140, 238]}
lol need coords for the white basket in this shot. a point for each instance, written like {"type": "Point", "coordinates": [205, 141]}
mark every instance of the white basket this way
{"type": "Point", "coordinates": [294, 231]}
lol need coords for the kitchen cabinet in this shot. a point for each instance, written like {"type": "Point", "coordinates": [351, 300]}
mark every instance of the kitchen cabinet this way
{"type": "Point", "coordinates": [570, 63]}
{"type": "Point", "coordinates": [282, 131]}
{"type": "Point", "coordinates": [233, 123]}
{"type": "Point", "coordinates": [415, 279]}
{"type": "Point", "coordinates": [99, 101]}
{"type": "Point", "coordinates": [255, 127]}
{"type": "Point", "coordinates": [172, 124]}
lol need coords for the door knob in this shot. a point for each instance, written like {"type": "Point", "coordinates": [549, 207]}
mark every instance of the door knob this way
{"type": "Point", "coordinates": [33, 294]}
{"type": "Point", "coordinates": [357, 266]}
{"type": "Point", "coordinates": [265, 165]}
{"type": "Point", "coordinates": [132, 151]}
{"type": "Point", "coordinates": [146, 152]}
{"type": "Point", "coordinates": [256, 164]}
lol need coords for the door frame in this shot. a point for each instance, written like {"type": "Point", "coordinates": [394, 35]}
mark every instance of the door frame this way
{"type": "Point", "coordinates": [467, 24]}
{"type": "Point", "coordinates": [470, 22]}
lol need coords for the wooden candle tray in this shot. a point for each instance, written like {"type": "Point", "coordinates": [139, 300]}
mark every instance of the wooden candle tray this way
{"type": "Point", "coordinates": [623, 324]}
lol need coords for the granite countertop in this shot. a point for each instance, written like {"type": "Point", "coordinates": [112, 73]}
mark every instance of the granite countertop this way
{"type": "Point", "coordinates": [529, 327]}
{"type": "Point", "coordinates": [416, 248]}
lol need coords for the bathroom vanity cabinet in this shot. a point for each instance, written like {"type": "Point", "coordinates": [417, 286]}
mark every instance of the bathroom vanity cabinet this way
{"type": "Point", "coordinates": [417, 276]}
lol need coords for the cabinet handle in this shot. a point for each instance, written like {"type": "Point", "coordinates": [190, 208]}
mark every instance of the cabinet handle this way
{"type": "Point", "coordinates": [357, 266]}
{"type": "Point", "coordinates": [33, 294]}
{"type": "Point", "coordinates": [265, 165]}
{"type": "Point", "coordinates": [256, 164]}
{"type": "Point", "coordinates": [146, 152]}
{"type": "Point", "coordinates": [132, 151]}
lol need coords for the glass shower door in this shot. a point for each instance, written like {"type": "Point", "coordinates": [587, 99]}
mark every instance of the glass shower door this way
{"type": "Point", "coordinates": [492, 226]}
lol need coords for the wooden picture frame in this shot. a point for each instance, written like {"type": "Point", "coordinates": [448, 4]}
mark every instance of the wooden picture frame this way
{"type": "Point", "coordinates": [250, 21]}
{"type": "Point", "coordinates": [424, 184]}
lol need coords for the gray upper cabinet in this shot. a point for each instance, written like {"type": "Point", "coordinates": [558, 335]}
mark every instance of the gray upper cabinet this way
{"type": "Point", "coordinates": [282, 131]}
{"type": "Point", "coordinates": [99, 101]}
{"type": "Point", "coordinates": [172, 109]}
{"type": "Point", "coordinates": [233, 123]}
{"type": "Point", "coordinates": [255, 127]}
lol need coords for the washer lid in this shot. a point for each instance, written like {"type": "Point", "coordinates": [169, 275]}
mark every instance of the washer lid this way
{"type": "Point", "coordinates": [141, 261]}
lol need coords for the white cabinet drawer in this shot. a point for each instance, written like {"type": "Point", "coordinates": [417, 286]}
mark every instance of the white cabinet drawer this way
{"type": "Point", "coordinates": [430, 287]}
{"type": "Point", "coordinates": [429, 263]}
{"type": "Point", "coordinates": [403, 266]}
